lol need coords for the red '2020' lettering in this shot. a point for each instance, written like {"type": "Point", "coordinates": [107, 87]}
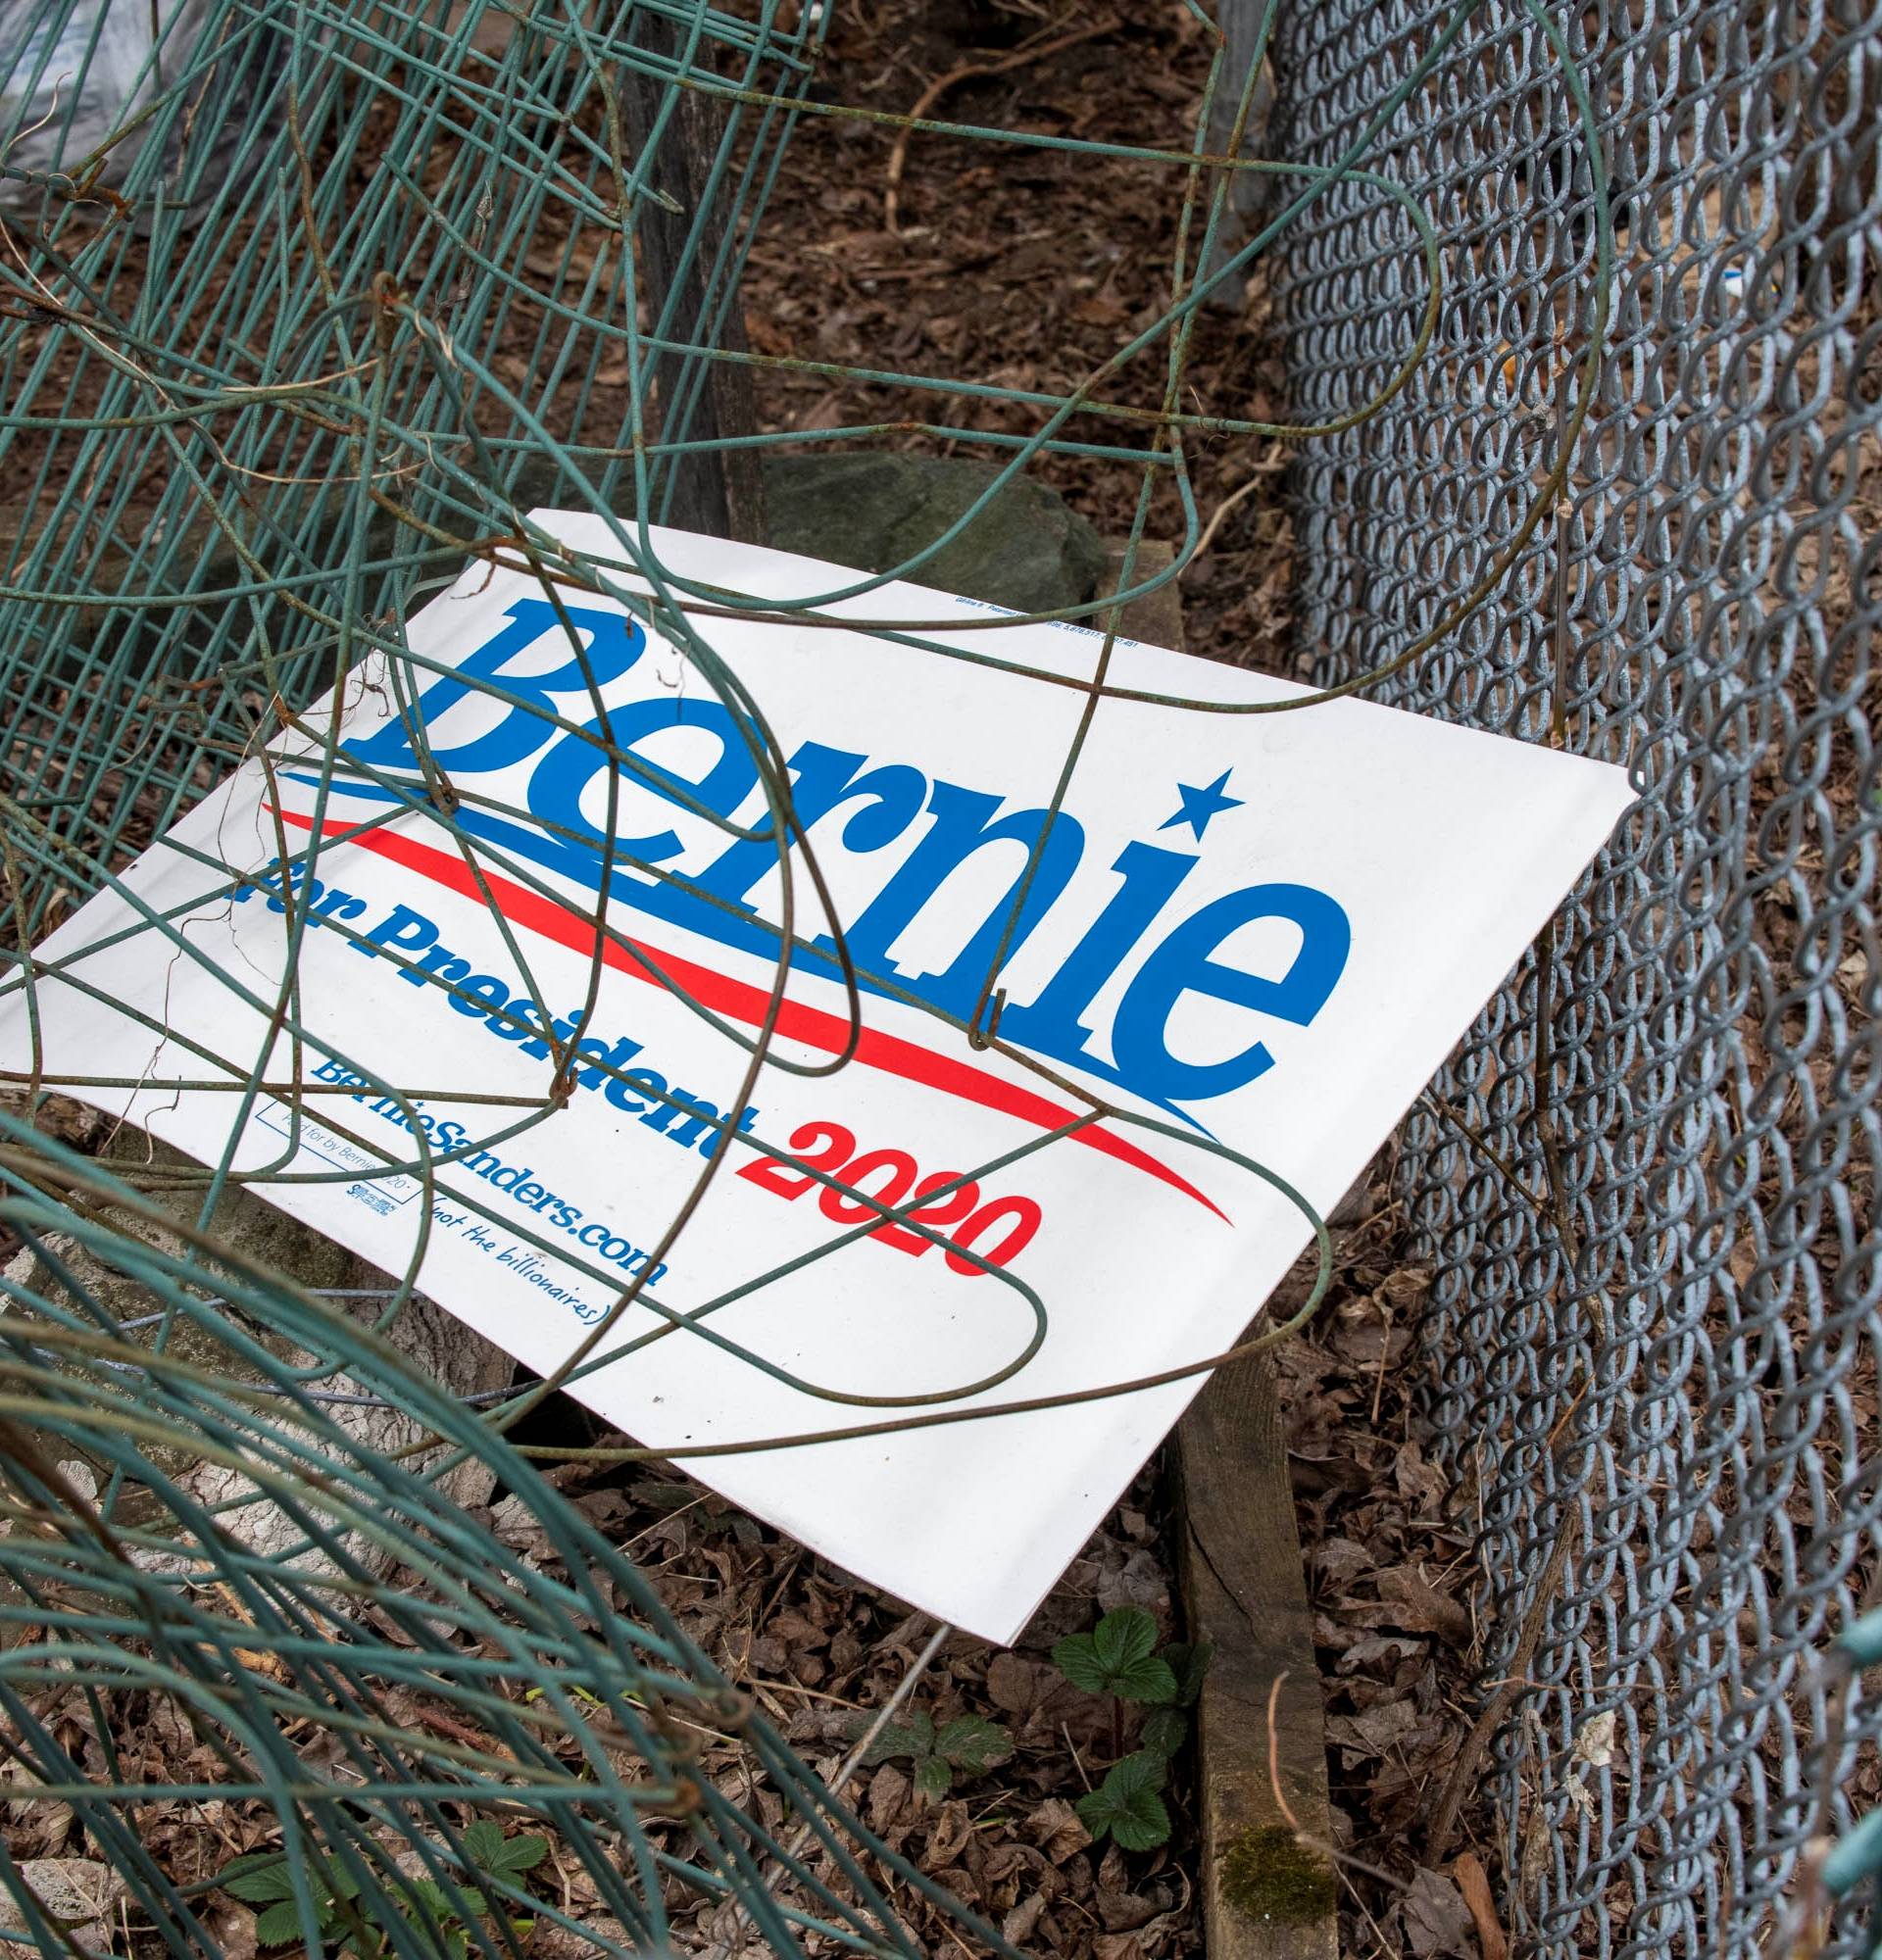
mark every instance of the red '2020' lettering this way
{"type": "Point", "coordinates": [889, 1177]}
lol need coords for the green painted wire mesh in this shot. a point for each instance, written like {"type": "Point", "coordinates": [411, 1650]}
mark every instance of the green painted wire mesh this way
{"type": "Point", "coordinates": [383, 1727]}
{"type": "Point", "coordinates": [333, 296]}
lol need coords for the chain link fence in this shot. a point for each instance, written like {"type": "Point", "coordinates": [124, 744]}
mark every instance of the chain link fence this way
{"type": "Point", "coordinates": [1646, 1181]}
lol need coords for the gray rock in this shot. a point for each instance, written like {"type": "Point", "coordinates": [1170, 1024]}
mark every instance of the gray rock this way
{"type": "Point", "coordinates": [875, 508]}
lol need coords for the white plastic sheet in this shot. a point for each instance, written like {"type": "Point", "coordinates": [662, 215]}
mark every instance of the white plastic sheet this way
{"type": "Point", "coordinates": [1264, 930]}
{"type": "Point", "coordinates": [75, 74]}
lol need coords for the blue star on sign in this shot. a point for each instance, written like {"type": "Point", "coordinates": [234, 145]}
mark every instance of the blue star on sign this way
{"type": "Point", "coordinates": [1200, 807]}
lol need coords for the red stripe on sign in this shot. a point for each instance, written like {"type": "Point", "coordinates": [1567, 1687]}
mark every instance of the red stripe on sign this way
{"type": "Point", "coordinates": [740, 1001]}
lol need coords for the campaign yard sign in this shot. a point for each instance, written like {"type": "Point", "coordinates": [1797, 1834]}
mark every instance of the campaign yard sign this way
{"type": "Point", "coordinates": [1263, 931]}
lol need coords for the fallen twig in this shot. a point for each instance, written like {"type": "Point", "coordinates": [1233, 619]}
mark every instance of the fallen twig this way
{"type": "Point", "coordinates": [968, 72]}
{"type": "Point", "coordinates": [1463, 1772]}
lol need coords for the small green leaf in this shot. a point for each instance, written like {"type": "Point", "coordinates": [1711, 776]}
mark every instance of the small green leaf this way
{"type": "Point", "coordinates": [1165, 1729]}
{"type": "Point", "coordinates": [1076, 1658]}
{"type": "Point", "coordinates": [914, 1737]}
{"type": "Point", "coordinates": [279, 1924]}
{"type": "Point", "coordinates": [434, 1899]}
{"type": "Point", "coordinates": [1143, 1769]}
{"type": "Point", "coordinates": [933, 1778]}
{"type": "Point", "coordinates": [1117, 1657]}
{"type": "Point", "coordinates": [1126, 1804]}
{"type": "Point", "coordinates": [973, 1743]}
{"type": "Point", "coordinates": [257, 1878]}
{"type": "Point", "coordinates": [1124, 1637]}
{"type": "Point", "coordinates": [484, 1841]}
{"type": "Point", "coordinates": [1144, 1823]}
{"type": "Point", "coordinates": [1189, 1663]}
{"type": "Point", "coordinates": [1149, 1680]}
{"type": "Point", "coordinates": [517, 1856]}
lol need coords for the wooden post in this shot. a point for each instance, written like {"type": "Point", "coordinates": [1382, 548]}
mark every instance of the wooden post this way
{"type": "Point", "coordinates": [715, 491]}
{"type": "Point", "coordinates": [1264, 1898]}
{"type": "Point", "coordinates": [1250, 196]}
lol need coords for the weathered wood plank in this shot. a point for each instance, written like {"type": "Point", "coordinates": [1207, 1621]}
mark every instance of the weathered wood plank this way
{"type": "Point", "coordinates": [1245, 1593]}
{"type": "Point", "coordinates": [1263, 1898]}
{"type": "Point", "coordinates": [714, 491]}
{"type": "Point", "coordinates": [1158, 617]}
{"type": "Point", "coordinates": [1250, 195]}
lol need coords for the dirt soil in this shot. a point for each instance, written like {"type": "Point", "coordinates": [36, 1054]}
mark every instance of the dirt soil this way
{"type": "Point", "coordinates": [1027, 270]}
{"type": "Point", "coordinates": [1024, 268]}
{"type": "Point", "coordinates": [1388, 1551]}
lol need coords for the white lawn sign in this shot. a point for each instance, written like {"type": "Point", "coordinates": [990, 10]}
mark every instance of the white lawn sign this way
{"type": "Point", "coordinates": [1264, 930]}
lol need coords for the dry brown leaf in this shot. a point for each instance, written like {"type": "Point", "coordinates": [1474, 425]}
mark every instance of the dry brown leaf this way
{"type": "Point", "coordinates": [1473, 1881]}
{"type": "Point", "coordinates": [551, 1942]}
{"type": "Point", "coordinates": [1124, 1911]}
{"type": "Point", "coordinates": [1594, 1744]}
{"type": "Point", "coordinates": [1372, 1732]}
{"type": "Point", "coordinates": [1013, 1683]}
{"type": "Point", "coordinates": [1377, 1653]}
{"type": "Point", "coordinates": [1339, 1560]}
{"type": "Point", "coordinates": [1423, 1482]}
{"type": "Point", "coordinates": [888, 1790]}
{"type": "Point", "coordinates": [1423, 1608]}
{"type": "Point", "coordinates": [948, 1834]}
{"type": "Point", "coordinates": [1142, 1580]}
{"type": "Point", "coordinates": [1437, 1925]}
{"type": "Point", "coordinates": [1057, 1830]}
{"type": "Point", "coordinates": [233, 1928]}
{"type": "Point", "coordinates": [81, 1894]}
{"type": "Point", "coordinates": [1017, 1924]}
{"type": "Point", "coordinates": [1404, 1287]}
